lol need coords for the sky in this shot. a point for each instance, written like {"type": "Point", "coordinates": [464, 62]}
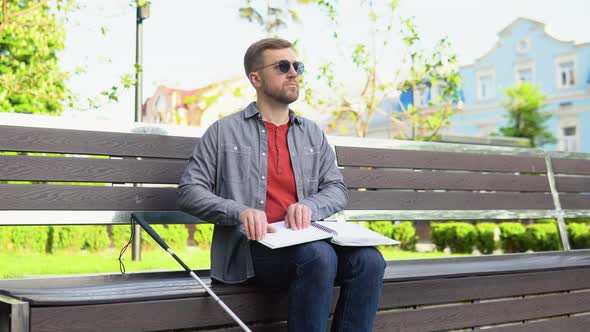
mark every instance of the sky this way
{"type": "Point", "coordinates": [192, 43]}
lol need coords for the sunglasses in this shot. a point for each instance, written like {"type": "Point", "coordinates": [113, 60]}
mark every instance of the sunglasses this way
{"type": "Point", "coordinates": [285, 65]}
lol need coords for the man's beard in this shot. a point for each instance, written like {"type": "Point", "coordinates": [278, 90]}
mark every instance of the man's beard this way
{"type": "Point", "coordinates": [281, 95]}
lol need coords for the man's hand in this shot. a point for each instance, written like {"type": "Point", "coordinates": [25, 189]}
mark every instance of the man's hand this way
{"type": "Point", "coordinates": [298, 216]}
{"type": "Point", "coordinates": [255, 224]}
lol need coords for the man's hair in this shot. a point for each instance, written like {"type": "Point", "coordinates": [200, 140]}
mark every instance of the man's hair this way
{"type": "Point", "coordinates": [253, 56]}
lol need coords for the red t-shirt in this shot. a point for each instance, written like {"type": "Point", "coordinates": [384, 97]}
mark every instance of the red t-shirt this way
{"type": "Point", "coordinates": [281, 190]}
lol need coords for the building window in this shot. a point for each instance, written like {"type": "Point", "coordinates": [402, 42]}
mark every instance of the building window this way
{"type": "Point", "coordinates": [569, 138]}
{"type": "Point", "coordinates": [486, 88]}
{"type": "Point", "coordinates": [523, 46]}
{"type": "Point", "coordinates": [524, 75]}
{"type": "Point", "coordinates": [423, 96]}
{"type": "Point", "coordinates": [566, 72]}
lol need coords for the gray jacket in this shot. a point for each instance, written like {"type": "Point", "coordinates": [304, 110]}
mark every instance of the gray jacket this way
{"type": "Point", "coordinates": [227, 174]}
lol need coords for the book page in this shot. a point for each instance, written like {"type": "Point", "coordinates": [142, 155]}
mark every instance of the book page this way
{"type": "Point", "coordinates": [350, 234]}
{"type": "Point", "coordinates": [285, 237]}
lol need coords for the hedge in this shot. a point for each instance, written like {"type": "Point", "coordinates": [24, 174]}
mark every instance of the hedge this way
{"type": "Point", "coordinates": [405, 233]}
{"type": "Point", "coordinates": [485, 242]}
{"type": "Point", "coordinates": [460, 237]}
{"type": "Point", "coordinates": [542, 237]}
{"type": "Point", "coordinates": [203, 235]}
{"type": "Point", "coordinates": [579, 235]}
{"type": "Point", "coordinates": [512, 237]}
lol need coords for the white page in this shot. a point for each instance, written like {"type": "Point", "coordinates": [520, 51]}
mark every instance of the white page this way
{"type": "Point", "coordinates": [285, 237]}
{"type": "Point", "coordinates": [350, 234]}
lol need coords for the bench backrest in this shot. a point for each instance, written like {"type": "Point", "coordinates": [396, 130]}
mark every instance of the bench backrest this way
{"type": "Point", "coordinates": [111, 175]}
{"type": "Point", "coordinates": [105, 174]}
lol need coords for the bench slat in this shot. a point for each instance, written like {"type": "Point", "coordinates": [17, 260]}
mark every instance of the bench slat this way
{"type": "Point", "coordinates": [399, 200]}
{"type": "Point", "coordinates": [58, 197]}
{"type": "Point", "coordinates": [572, 184]}
{"type": "Point", "coordinates": [571, 166]}
{"type": "Point", "coordinates": [449, 290]}
{"type": "Point", "coordinates": [27, 139]}
{"type": "Point", "coordinates": [368, 157]}
{"type": "Point", "coordinates": [575, 201]}
{"type": "Point", "coordinates": [402, 179]}
{"type": "Point", "coordinates": [27, 168]}
{"type": "Point", "coordinates": [484, 313]}
{"type": "Point", "coordinates": [569, 324]}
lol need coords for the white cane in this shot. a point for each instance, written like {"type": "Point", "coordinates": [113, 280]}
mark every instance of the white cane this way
{"type": "Point", "coordinates": [146, 226]}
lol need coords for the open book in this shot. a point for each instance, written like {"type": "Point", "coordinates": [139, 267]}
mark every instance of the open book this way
{"type": "Point", "coordinates": [340, 233]}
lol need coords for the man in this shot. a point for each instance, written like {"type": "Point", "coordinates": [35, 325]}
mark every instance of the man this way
{"type": "Point", "coordinates": [266, 164]}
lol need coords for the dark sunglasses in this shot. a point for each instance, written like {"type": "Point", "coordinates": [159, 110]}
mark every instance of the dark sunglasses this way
{"type": "Point", "coordinates": [285, 65]}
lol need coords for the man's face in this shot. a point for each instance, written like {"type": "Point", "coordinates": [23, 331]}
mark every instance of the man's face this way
{"type": "Point", "coordinates": [276, 85]}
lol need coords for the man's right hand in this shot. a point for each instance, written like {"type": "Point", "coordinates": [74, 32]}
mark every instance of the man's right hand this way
{"type": "Point", "coordinates": [255, 224]}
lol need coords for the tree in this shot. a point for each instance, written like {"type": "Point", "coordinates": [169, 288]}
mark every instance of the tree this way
{"type": "Point", "coordinates": [524, 102]}
{"type": "Point", "coordinates": [274, 17]}
{"type": "Point", "coordinates": [379, 82]}
{"type": "Point", "coordinates": [428, 71]}
{"type": "Point", "coordinates": [30, 38]}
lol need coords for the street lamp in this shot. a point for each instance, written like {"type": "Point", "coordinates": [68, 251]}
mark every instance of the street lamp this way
{"type": "Point", "coordinates": [143, 12]}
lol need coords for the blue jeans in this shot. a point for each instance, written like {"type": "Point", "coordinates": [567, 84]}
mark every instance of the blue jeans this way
{"type": "Point", "coordinates": [309, 271]}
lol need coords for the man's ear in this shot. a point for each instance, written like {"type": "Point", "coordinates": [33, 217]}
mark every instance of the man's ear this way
{"type": "Point", "coordinates": [255, 79]}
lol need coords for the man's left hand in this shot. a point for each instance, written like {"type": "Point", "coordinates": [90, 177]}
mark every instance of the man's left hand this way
{"type": "Point", "coordinates": [298, 216]}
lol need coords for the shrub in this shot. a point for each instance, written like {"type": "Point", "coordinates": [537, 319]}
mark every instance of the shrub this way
{"type": "Point", "coordinates": [203, 235]}
{"type": "Point", "coordinates": [6, 239]}
{"type": "Point", "coordinates": [460, 237]}
{"type": "Point", "coordinates": [542, 237]}
{"type": "Point", "coordinates": [121, 234]}
{"type": "Point", "coordinates": [384, 228]}
{"type": "Point", "coordinates": [176, 236]}
{"type": "Point", "coordinates": [65, 238]}
{"type": "Point", "coordinates": [405, 233]}
{"type": "Point", "coordinates": [485, 237]}
{"type": "Point", "coordinates": [464, 237]}
{"type": "Point", "coordinates": [579, 235]}
{"type": "Point", "coordinates": [546, 221]}
{"type": "Point", "coordinates": [513, 237]}
{"type": "Point", "coordinates": [147, 243]}
{"type": "Point", "coordinates": [30, 238]}
{"type": "Point", "coordinates": [439, 235]}
{"type": "Point", "coordinates": [96, 238]}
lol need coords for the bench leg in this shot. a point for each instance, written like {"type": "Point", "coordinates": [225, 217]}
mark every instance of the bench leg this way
{"type": "Point", "coordinates": [14, 315]}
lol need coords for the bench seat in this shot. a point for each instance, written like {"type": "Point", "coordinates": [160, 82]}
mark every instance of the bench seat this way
{"type": "Point", "coordinates": [464, 286]}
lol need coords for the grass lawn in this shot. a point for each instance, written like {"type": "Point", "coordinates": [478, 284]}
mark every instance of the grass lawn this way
{"type": "Point", "coordinates": [22, 265]}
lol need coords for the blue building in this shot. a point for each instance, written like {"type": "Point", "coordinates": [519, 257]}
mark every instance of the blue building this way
{"type": "Point", "coordinates": [524, 52]}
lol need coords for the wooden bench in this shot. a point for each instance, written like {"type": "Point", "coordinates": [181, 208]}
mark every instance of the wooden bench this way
{"type": "Point", "coordinates": [391, 180]}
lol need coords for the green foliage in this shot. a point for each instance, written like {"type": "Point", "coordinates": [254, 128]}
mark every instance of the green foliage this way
{"type": "Point", "coordinates": [485, 237]}
{"type": "Point", "coordinates": [30, 78]}
{"type": "Point", "coordinates": [29, 238]}
{"type": "Point", "coordinates": [405, 233]}
{"type": "Point", "coordinates": [176, 237]}
{"type": "Point", "coordinates": [384, 228]}
{"type": "Point", "coordinates": [5, 238]}
{"type": "Point", "coordinates": [65, 238]}
{"type": "Point", "coordinates": [439, 235]}
{"type": "Point", "coordinates": [460, 237]}
{"type": "Point", "coordinates": [523, 103]}
{"type": "Point", "coordinates": [428, 70]}
{"type": "Point", "coordinates": [579, 235]}
{"type": "Point", "coordinates": [203, 235]}
{"type": "Point", "coordinates": [96, 238]}
{"type": "Point", "coordinates": [542, 237]}
{"type": "Point", "coordinates": [546, 221]}
{"type": "Point", "coordinates": [121, 234]}
{"type": "Point", "coordinates": [512, 237]}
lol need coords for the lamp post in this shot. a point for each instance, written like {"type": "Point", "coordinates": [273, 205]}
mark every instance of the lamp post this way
{"type": "Point", "coordinates": [143, 12]}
